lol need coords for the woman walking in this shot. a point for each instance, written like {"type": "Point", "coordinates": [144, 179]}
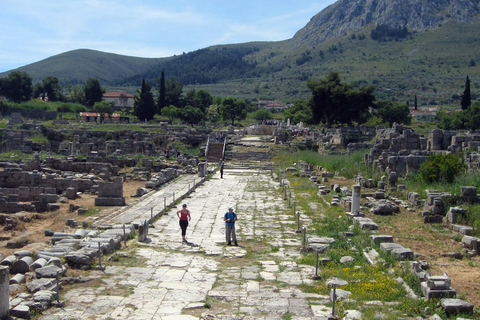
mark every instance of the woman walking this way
{"type": "Point", "coordinates": [184, 216]}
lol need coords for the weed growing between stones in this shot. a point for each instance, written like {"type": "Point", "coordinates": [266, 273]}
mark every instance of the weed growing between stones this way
{"type": "Point", "coordinates": [366, 283]}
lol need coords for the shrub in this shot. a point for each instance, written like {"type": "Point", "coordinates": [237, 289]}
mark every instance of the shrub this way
{"type": "Point", "coordinates": [441, 168]}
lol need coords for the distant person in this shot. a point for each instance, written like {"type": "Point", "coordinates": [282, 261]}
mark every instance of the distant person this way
{"type": "Point", "coordinates": [230, 217]}
{"type": "Point", "coordinates": [184, 216]}
{"type": "Point", "coordinates": [220, 166]}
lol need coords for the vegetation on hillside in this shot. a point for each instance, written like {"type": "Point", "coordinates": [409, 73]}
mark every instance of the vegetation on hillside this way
{"type": "Point", "coordinates": [431, 65]}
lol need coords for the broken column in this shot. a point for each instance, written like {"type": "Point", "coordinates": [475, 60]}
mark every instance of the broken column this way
{"type": "Point", "coordinates": [4, 294]}
{"type": "Point", "coordinates": [355, 210]}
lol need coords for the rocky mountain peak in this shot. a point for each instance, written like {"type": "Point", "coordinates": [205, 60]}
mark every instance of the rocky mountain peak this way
{"type": "Point", "coordinates": [347, 16]}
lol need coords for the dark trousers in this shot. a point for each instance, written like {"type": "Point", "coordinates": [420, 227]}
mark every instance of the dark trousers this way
{"type": "Point", "coordinates": [184, 225]}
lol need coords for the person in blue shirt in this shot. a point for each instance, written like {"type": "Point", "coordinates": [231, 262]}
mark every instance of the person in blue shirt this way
{"type": "Point", "coordinates": [230, 217]}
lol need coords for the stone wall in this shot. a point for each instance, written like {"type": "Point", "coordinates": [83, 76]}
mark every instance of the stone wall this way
{"type": "Point", "coordinates": [78, 142]}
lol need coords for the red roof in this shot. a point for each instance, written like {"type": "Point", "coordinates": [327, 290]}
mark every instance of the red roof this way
{"type": "Point", "coordinates": [117, 94]}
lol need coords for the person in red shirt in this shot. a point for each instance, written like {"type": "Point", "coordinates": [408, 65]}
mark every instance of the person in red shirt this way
{"type": "Point", "coordinates": [184, 216]}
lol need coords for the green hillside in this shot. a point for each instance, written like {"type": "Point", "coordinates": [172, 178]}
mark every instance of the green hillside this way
{"type": "Point", "coordinates": [75, 67]}
{"type": "Point", "coordinates": [431, 64]}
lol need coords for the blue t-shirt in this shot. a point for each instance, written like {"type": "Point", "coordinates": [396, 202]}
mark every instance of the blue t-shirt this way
{"type": "Point", "coordinates": [230, 215]}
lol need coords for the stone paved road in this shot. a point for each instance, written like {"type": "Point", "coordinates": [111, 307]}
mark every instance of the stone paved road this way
{"type": "Point", "coordinates": [154, 202]}
{"type": "Point", "coordinates": [173, 280]}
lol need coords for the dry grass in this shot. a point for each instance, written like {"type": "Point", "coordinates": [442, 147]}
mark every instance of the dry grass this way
{"type": "Point", "coordinates": [430, 242]}
{"type": "Point", "coordinates": [34, 231]}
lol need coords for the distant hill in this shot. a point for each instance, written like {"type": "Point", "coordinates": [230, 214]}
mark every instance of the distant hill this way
{"type": "Point", "coordinates": [423, 48]}
{"type": "Point", "coordinates": [76, 66]}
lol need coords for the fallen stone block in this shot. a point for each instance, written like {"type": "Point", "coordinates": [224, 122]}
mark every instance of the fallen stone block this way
{"type": "Point", "coordinates": [44, 297]}
{"type": "Point", "coordinates": [434, 218]}
{"type": "Point", "coordinates": [385, 207]}
{"type": "Point", "coordinates": [21, 311]}
{"type": "Point", "coordinates": [365, 223]}
{"type": "Point", "coordinates": [470, 242]}
{"type": "Point", "coordinates": [402, 253]}
{"type": "Point", "coordinates": [429, 293]}
{"type": "Point", "coordinates": [78, 258]}
{"type": "Point", "coordinates": [50, 272]}
{"type": "Point", "coordinates": [41, 284]}
{"type": "Point", "coordinates": [378, 239]}
{"type": "Point", "coordinates": [456, 306]}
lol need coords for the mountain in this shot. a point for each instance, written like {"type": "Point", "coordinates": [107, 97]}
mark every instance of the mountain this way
{"type": "Point", "coordinates": [345, 17]}
{"type": "Point", "coordinates": [406, 48]}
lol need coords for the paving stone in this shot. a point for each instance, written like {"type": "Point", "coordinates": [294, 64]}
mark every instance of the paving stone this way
{"type": "Point", "coordinates": [173, 277]}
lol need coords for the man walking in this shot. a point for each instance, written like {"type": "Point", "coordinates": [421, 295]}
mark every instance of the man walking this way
{"type": "Point", "coordinates": [230, 217]}
{"type": "Point", "coordinates": [220, 165]}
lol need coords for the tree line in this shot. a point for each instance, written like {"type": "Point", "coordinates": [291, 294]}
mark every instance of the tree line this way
{"type": "Point", "coordinates": [194, 107]}
{"type": "Point", "coordinates": [332, 102]}
{"type": "Point", "coordinates": [17, 87]}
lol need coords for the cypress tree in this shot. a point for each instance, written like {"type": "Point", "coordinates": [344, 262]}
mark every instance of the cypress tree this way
{"type": "Point", "coordinates": [143, 103]}
{"type": "Point", "coordinates": [161, 93]}
{"type": "Point", "coordinates": [466, 97]}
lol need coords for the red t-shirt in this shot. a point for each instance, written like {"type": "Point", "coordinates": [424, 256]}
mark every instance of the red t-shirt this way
{"type": "Point", "coordinates": [184, 215]}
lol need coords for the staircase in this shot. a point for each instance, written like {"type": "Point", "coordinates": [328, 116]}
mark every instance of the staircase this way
{"type": "Point", "coordinates": [215, 151]}
{"type": "Point", "coordinates": [251, 151]}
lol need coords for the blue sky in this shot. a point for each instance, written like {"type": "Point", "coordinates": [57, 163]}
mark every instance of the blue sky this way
{"type": "Point", "coordinates": [32, 30]}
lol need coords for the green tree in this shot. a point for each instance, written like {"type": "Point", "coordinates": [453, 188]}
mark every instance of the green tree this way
{"type": "Point", "coordinates": [103, 108]}
{"type": "Point", "coordinates": [189, 98]}
{"type": "Point", "coordinates": [337, 102]}
{"type": "Point", "coordinates": [161, 102]}
{"type": "Point", "coordinates": [170, 112]}
{"type": "Point", "coordinates": [466, 97]}
{"type": "Point", "coordinates": [93, 91]}
{"type": "Point", "coordinates": [390, 111]}
{"type": "Point", "coordinates": [449, 121]}
{"type": "Point", "coordinates": [52, 88]}
{"type": "Point", "coordinates": [77, 94]}
{"type": "Point", "coordinates": [213, 114]}
{"type": "Point", "coordinates": [192, 115]}
{"type": "Point", "coordinates": [173, 92]}
{"type": "Point", "coordinates": [17, 86]}
{"type": "Point", "coordinates": [233, 109]}
{"type": "Point", "coordinates": [144, 107]}
{"type": "Point", "coordinates": [38, 90]}
{"type": "Point", "coordinates": [203, 99]}
{"type": "Point", "coordinates": [301, 111]}
{"type": "Point", "coordinates": [198, 98]}
{"type": "Point", "coordinates": [471, 117]}
{"type": "Point", "coordinates": [262, 114]}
